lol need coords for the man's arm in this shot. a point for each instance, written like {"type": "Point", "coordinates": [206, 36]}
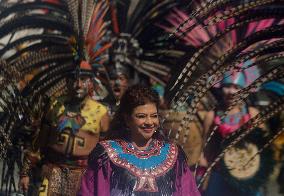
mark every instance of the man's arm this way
{"type": "Point", "coordinates": [253, 112]}
{"type": "Point", "coordinates": [207, 124]}
{"type": "Point", "coordinates": [208, 121]}
{"type": "Point", "coordinates": [104, 124]}
{"type": "Point", "coordinates": [32, 155]}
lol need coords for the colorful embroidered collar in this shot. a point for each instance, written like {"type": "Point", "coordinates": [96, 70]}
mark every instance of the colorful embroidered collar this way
{"type": "Point", "coordinates": [146, 165]}
{"type": "Point", "coordinates": [86, 119]}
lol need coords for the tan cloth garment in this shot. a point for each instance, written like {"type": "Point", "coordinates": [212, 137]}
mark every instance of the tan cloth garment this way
{"type": "Point", "coordinates": [60, 180]}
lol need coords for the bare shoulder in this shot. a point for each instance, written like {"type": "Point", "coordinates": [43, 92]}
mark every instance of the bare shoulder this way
{"type": "Point", "coordinates": [208, 121]}
{"type": "Point", "coordinates": [253, 111]}
{"type": "Point", "coordinates": [210, 113]}
{"type": "Point", "coordinates": [209, 116]}
{"type": "Point", "coordinates": [105, 121]}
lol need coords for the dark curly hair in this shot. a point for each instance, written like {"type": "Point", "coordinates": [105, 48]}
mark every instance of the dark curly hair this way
{"type": "Point", "coordinates": [134, 96]}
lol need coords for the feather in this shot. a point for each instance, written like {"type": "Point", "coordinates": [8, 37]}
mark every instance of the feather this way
{"type": "Point", "coordinates": [73, 8]}
{"type": "Point", "coordinates": [247, 128]}
{"type": "Point", "coordinates": [131, 24]}
{"type": "Point", "coordinates": [46, 42]}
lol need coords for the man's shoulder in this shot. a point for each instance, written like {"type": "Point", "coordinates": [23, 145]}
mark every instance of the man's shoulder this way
{"type": "Point", "coordinates": [95, 104]}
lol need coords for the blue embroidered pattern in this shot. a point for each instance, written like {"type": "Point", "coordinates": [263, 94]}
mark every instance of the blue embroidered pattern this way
{"type": "Point", "coordinates": [141, 163]}
{"type": "Point", "coordinates": [146, 165]}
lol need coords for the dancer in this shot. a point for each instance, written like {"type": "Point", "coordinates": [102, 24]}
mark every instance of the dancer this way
{"type": "Point", "coordinates": [136, 159]}
{"type": "Point", "coordinates": [242, 178]}
{"type": "Point", "coordinates": [70, 130]}
{"type": "Point", "coordinates": [58, 123]}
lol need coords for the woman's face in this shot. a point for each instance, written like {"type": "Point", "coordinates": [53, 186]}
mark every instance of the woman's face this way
{"type": "Point", "coordinates": [229, 90]}
{"type": "Point", "coordinates": [144, 121]}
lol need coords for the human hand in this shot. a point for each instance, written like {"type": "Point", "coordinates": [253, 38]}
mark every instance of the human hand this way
{"type": "Point", "coordinates": [203, 161]}
{"type": "Point", "coordinates": [24, 183]}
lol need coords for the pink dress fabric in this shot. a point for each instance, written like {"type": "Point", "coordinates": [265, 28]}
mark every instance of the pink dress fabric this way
{"type": "Point", "coordinates": [97, 180]}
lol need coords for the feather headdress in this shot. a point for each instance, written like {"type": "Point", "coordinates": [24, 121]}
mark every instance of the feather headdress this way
{"type": "Point", "coordinates": [138, 44]}
{"type": "Point", "coordinates": [43, 43]}
{"type": "Point", "coordinates": [226, 35]}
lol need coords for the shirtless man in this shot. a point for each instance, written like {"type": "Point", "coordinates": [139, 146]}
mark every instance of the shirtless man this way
{"type": "Point", "coordinates": [69, 131]}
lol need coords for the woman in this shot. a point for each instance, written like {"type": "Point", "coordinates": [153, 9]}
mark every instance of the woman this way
{"type": "Point", "coordinates": [136, 160]}
{"type": "Point", "coordinates": [223, 181]}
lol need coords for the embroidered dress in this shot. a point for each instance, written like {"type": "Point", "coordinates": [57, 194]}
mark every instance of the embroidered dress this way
{"type": "Point", "coordinates": [233, 176]}
{"type": "Point", "coordinates": [117, 168]}
{"type": "Point", "coordinates": [231, 122]}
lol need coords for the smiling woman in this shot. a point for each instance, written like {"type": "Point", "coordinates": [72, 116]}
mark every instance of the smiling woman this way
{"type": "Point", "coordinates": [136, 159]}
{"type": "Point", "coordinates": [143, 123]}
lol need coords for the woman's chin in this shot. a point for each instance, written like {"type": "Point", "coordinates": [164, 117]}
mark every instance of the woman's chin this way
{"type": "Point", "coordinates": [147, 136]}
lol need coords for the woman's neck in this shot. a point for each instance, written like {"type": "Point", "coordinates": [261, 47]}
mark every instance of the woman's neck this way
{"type": "Point", "coordinates": [227, 104]}
{"type": "Point", "coordinates": [141, 144]}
